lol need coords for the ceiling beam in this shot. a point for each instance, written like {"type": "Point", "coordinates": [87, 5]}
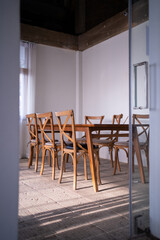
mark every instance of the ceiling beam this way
{"type": "Point", "coordinates": [48, 37]}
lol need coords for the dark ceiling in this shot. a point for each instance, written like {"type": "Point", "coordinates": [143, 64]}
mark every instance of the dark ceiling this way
{"type": "Point", "coordinates": [69, 16]}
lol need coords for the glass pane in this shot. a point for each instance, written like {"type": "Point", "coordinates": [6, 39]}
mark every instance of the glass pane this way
{"type": "Point", "coordinates": [140, 119]}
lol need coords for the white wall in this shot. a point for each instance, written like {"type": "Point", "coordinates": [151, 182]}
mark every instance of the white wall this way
{"type": "Point", "coordinates": [92, 82]}
{"type": "Point", "coordinates": [139, 53]}
{"type": "Point", "coordinates": [57, 85]}
{"type": "Point", "coordinates": [9, 127]}
{"type": "Point", "coordinates": [105, 89]}
{"type": "Point", "coordinates": [55, 80]}
{"type": "Point", "coordinates": [105, 79]}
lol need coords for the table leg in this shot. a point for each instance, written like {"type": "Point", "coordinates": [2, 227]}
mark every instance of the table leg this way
{"type": "Point", "coordinates": [91, 159]}
{"type": "Point", "coordinates": [138, 154]}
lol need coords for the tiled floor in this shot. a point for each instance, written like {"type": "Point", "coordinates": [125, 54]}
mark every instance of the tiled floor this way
{"type": "Point", "coordinates": [48, 210]}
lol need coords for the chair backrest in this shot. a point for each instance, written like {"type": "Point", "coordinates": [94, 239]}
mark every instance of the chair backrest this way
{"type": "Point", "coordinates": [94, 120]}
{"type": "Point", "coordinates": [32, 127]}
{"type": "Point", "coordinates": [143, 131]}
{"type": "Point", "coordinates": [116, 120]}
{"type": "Point", "coordinates": [44, 119]}
{"type": "Point", "coordinates": [64, 118]}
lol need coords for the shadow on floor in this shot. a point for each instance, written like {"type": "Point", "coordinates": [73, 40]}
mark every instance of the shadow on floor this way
{"type": "Point", "coordinates": [48, 210]}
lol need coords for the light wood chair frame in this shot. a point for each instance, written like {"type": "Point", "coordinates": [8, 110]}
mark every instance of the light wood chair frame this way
{"type": "Point", "coordinates": [77, 151]}
{"type": "Point", "coordinates": [34, 140]}
{"type": "Point", "coordinates": [125, 145]}
{"type": "Point", "coordinates": [109, 141]}
{"type": "Point", "coordinates": [48, 140]}
{"type": "Point", "coordinates": [90, 120]}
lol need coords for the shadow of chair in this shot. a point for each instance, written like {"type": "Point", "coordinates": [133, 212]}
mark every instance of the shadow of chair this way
{"type": "Point", "coordinates": [70, 146]}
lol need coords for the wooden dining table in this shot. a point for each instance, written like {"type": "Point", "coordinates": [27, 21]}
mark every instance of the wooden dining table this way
{"type": "Point", "coordinates": [105, 131]}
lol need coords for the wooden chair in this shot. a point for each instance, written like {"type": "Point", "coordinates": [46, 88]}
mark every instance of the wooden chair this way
{"type": "Point", "coordinates": [91, 120]}
{"type": "Point", "coordinates": [109, 142]}
{"type": "Point", "coordinates": [34, 140]}
{"type": "Point", "coordinates": [48, 140]}
{"type": "Point", "coordinates": [70, 146]}
{"type": "Point", "coordinates": [94, 119]}
{"type": "Point", "coordinates": [144, 145]}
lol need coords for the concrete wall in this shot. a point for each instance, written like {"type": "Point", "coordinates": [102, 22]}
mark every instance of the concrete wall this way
{"type": "Point", "coordinates": [9, 123]}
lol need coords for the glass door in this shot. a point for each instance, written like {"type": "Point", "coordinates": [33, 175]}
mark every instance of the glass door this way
{"type": "Point", "coordinates": [139, 118]}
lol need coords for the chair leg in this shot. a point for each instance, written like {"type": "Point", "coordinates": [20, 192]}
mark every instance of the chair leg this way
{"type": "Point", "coordinates": [75, 172]}
{"type": "Point", "coordinates": [30, 156]}
{"type": "Point", "coordinates": [147, 157]}
{"type": "Point", "coordinates": [56, 157]}
{"type": "Point", "coordinates": [64, 163]}
{"type": "Point", "coordinates": [118, 164]}
{"type": "Point", "coordinates": [98, 155]}
{"type": "Point", "coordinates": [111, 154]}
{"type": "Point", "coordinates": [116, 160]}
{"type": "Point", "coordinates": [62, 166]}
{"type": "Point", "coordinates": [49, 159]}
{"type": "Point", "coordinates": [43, 158]}
{"type": "Point", "coordinates": [97, 167]}
{"type": "Point", "coordinates": [85, 166]}
{"type": "Point", "coordinates": [53, 165]}
{"type": "Point", "coordinates": [37, 154]}
{"type": "Point", "coordinates": [67, 157]}
{"type": "Point", "coordinates": [132, 160]}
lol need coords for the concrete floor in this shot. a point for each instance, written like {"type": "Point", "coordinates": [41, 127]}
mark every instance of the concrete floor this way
{"type": "Point", "coordinates": [48, 210]}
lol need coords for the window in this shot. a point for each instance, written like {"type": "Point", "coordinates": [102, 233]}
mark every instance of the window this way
{"type": "Point", "coordinates": [23, 80]}
{"type": "Point", "coordinates": [26, 90]}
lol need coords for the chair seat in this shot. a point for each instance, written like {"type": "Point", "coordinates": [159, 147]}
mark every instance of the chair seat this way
{"type": "Point", "coordinates": [142, 144]}
{"type": "Point", "coordinates": [82, 139]}
{"type": "Point", "coordinates": [102, 141]}
{"type": "Point", "coordinates": [84, 145]}
{"type": "Point", "coordinates": [123, 144]}
{"type": "Point", "coordinates": [126, 144]}
{"type": "Point", "coordinates": [33, 142]}
{"type": "Point", "coordinates": [50, 143]}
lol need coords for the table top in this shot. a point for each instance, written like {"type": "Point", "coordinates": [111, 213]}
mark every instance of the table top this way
{"type": "Point", "coordinates": [94, 127]}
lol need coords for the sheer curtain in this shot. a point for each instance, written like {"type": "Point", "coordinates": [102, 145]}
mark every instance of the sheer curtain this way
{"type": "Point", "coordinates": [27, 82]}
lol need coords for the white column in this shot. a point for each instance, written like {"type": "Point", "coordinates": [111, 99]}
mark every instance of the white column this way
{"type": "Point", "coordinates": [79, 118]}
{"type": "Point", "coordinates": [9, 127]}
{"type": "Point", "coordinates": [154, 55]}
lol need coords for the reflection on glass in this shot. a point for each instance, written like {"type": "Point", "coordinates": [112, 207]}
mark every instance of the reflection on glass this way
{"type": "Point", "coordinates": [141, 85]}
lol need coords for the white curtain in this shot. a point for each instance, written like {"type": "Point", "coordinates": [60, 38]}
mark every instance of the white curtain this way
{"type": "Point", "coordinates": [26, 91]}
{"type": "Point", "coordinates": [31, 77]}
